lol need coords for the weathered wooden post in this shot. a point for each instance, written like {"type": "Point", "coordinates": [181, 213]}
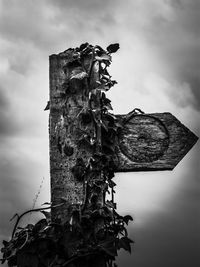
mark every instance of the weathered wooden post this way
{"type": "Point", "coordinates": [69, 122]}
{"type": "Point", "coordinates": [75, 129]}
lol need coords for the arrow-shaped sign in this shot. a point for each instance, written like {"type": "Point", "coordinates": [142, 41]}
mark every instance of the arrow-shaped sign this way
{"type": "Point", "coordinates": [155, 141]}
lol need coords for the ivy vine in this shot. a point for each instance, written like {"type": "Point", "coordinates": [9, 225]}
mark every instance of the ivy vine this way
{"type": "Point", "coordinates": [95, 230]}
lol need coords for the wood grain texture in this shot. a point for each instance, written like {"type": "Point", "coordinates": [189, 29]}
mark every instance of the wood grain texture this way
{"type": "Point", "coordinates": [68, 98]}
{"type": "Point", "coordinates": [155, 141]}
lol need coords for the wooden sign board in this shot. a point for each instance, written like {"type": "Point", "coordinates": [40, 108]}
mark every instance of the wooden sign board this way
{"type": "Point", "coordinates": [156, 141]}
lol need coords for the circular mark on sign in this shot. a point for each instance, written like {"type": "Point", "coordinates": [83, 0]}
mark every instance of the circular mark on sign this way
{"type": "Point", "coordinates": [144, 138]}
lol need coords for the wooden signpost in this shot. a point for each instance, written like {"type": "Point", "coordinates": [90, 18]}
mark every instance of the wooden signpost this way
{"type": "Point", "coordinates": [144, 142]}
{"type": "Point", "coordinates": [88, 144]}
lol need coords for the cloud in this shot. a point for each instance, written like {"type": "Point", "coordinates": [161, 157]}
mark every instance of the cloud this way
{"type": "Point", "coordinates": [170, 32]}
{"type": "Point", "coordinates": [12, 182]}
{"type": "Point", "coordinates": [84, 12]}
{"type": "Point", "coordinates": [7, 125]}
{"type": "Point", "coordinates": [176, 39]}
{"type": "Point", "coordinates": [177, 94]}
{"type": "Point", "coordinates": [26, 21]}
{"type": "Point", "coordinates": [23, 164]}
{"type": "Point", "coordinates": [51, 24]}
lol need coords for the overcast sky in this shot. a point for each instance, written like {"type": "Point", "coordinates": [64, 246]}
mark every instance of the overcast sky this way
{"type": "Point", "coordinates": [157, 69]}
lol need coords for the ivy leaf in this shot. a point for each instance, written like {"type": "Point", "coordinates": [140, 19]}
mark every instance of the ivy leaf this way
{"type": "Point", "coordinates": [112, 251]}
{"type": "Point", "coordinates": [127, 218]}
{"type": "Point", "coordinates": [80, 75]}
{"type": "Point", "coordinates": [39, 226]}
{"type": "Point", "coordinates": [12, 261]}
{"type": "Point", "coordinates": [86, 117]}
{"type": "Point", "coordinates": [29, 226]}
{"type": "Point", "coordinates": [71, 241]}
{"type": "Point", "coordinates": [103, 87]}
{"type": "Point", "coordinates": [110, 204]}
{"type": "Point", "coordinates": [83, 46]}
{"type": "Point", "coordinates": [111, 183]}
{"type": "Point", "coordinates": [99, 48]}
{"type": "Point", "coordinates": [113, 48]}
{"type": "Point", "coordinates": [86, 50]}
{"type": "Point", "coordinates": [79, 169]}
{"type": "Point", "coordinates": [103, 57]}
{"type": "Point", "coordinates": [125, 242]}
{"type": "Point", "coordinates": [109, 246]}
{"type": "Point", "coordinates": [108, 213]}
{"type": "Point", "coordinates": [105, 79]}
{"type": "Point", "coordinates": [108, 148]}
{"type": "Point", "coordinates": [112, 83]}
{"type": "Point", "coordinates": [105, 72]}
{"type": "Point", "coordinates": [2, 261]}
{"type": "Point", "coordinates": [97, 189]}
{"type": "Point", "coordinates": [94, 199]}
{"type": "Point", "coordinates": [86, 140]}
{"type": "Point", "coordinates": [5, 243]}
{"type": "Point", "coordinates": [73, 63]}
{"type": "Point", "coordinates": [108, 106]}
{"type": "Point", "coordinates": [117, 215]}
{"type": "Point", "coordinates": [106, 103]}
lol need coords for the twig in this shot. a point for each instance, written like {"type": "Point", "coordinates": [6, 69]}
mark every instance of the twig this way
{"type": "Point", "coordinates": [32, 210]}
{"type": "Point", "coordinates": [24, 241]}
